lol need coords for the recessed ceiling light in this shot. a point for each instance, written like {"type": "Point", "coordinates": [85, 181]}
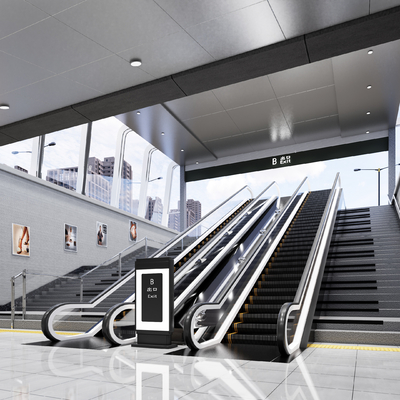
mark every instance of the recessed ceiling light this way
{"type": "Point", "coordinates": [163, 133]}
{"type": "Point", "coordinates": [368, 112]}
{"type": "Point", "coordinates": [182, 150]}
{"type": "Point", "coordinates": [136, 62]}
{"type": "Point", "coordinates": [367, 132]}
{"type": "Point", "coordinates": [370, 51]}
{"type": "Point", "coordinates": [369, 87]}
{"type": "Point", "coordinates": [4, 107]}
{"type": "Point", "coordinates": [138, 112]}
{"type": "Point", "coordinates": [197, 162]}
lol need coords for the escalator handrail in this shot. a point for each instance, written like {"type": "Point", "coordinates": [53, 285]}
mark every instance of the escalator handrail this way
{"type": "Point", "coordinates": [394, 200]}
{"type": "Point", "coordinates": [180, 236]}
{"type": "Point", "coordinates": [191, 339]}
{"type": "Point", "coordinates": [309, 281]}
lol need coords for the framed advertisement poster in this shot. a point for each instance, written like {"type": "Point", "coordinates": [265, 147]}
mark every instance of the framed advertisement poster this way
{"type": "Point", "coordinates": [101, 234]}
{"type": "Point", "coordinates": [21, 235]}
{"type": "Point", "coordinates": [71, 238]}
{"type": "Point", "coordinates": [132, 231]}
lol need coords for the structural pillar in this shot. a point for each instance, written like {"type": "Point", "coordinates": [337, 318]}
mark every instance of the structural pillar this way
{"type": "Point", "coordinates": [182, 202]}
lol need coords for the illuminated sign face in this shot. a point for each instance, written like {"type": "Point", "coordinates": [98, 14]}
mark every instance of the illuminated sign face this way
{"type": "Point", "coordinates": [152, 297]}
{"type": "Point", "coordinates": [283, 160]}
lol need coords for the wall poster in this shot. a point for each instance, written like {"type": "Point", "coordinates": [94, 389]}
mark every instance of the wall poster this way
{"type": "Point", "coordinates": [101, 234]}
{"type": "Point", "coordinates": [71, 238]}
{"type": "Point", "coordinates": [132, 231]}
{"type": "Point", "coordinates": [21, 235]}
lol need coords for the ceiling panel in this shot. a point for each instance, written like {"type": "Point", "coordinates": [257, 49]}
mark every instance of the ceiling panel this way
{"type": "Point", "coordinates": [140, 22]}
{"type": "Point", "coordinates": [265, 115]}
{"type": "Point", "coordinates": [303, 78]}
{"type": "Point", "coordinates": [353, 73]}
{"type": "Point", "coordinates": [244, 93]}
{"type": "Point", "coordinates": [239, 31]}
{"type": "Point", "coordinates": [19, 73]}
{"type": "Point", "coordinates": [269, 139]}
{"type": "Point", "coordinates": [16, 15]}
{"type": "Point", "coordinates": [228, 146]}
{"type": "Point", "coordinates": [212, 126]}
{"type": "Point", "coordinates": [61, 48]}
{"type": "Point", "coordinates": [52, 7]}
{"type": "Point", "coordinates": [44, 96]}
{"type": "Point", "coordinates": [299, 17]}
{"type": "Point", "coordinates": [195, 106]}
{"type": "Point", "coordinates": [108, 75]}
{"type": "Point", "coordinates": [379, 5]}
{"type": "Point", "coordinates": [154, 120]}
{"type": "Point", "coordinates": [317, 129]}
{"type": "Point", "coordinates": [198, 11]}
{"type": "Point", "coordinates": [309, 105]}
{"type": "Point", "coordinates": [168, 55]}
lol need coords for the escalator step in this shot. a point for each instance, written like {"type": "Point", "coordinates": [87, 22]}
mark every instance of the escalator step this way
{"type": "Point", "coordinates": [257, 317]}
{"type": "Point", "coordinates": [276, 290]}
{"type": "Point", "coordinates": [257, 328]}
{"type": "Point", "coordinates": [249, 339]}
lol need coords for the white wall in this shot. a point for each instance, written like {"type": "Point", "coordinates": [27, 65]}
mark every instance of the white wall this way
{"type": "Point", "coordinates": [44, 207]}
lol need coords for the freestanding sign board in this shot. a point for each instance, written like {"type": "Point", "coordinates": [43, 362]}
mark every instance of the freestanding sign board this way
{"type": "Point", "coordinates": [154, 302]}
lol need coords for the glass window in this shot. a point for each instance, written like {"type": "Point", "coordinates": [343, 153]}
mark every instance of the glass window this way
{"type": "Point", "coordinates": [101, 158]}
{"type": "Point", "coordinates": [61, 157]}
{"type": "Point", "coordinates": [17, 155]}
{"type": "Point", "coordinates": [156, 187]}
{"type": "Point", "coordinates": [132, 172]}
{"type": "Point", "coordinates": [173, 212]}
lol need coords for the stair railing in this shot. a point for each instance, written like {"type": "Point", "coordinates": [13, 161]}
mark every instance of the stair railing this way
{"type": "Point", "coordinates": [13, 279]}
{"type": "Point", "coordinates": [204, 315]}
{"type": "Point", "coordinates": [119, 256]}
{"type": "Point", "coordinates": [293, 330]}
{"type": "Point", "coordinates": [396, 197]}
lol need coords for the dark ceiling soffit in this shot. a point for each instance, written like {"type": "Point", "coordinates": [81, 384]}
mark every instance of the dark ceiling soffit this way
{"type": "Point", "coordinates": [303, 157]}
{"type": "Point", "coordinates": [45, 123]}
{"type": "Point", "coordinates": [4, 139]}
{"type": "Point", "coordinates": [253, 64]}
{"type": "Point", "coordinates": [372, 30]}
{"type": "Point", "coordinates": [141, 96]}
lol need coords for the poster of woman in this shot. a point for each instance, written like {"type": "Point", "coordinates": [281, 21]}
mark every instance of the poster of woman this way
{"type": "Point", "coordinates": [71, 238]}
{"type": "Point", "coordinates": [101, 234]}
{"type": "Point", "coordinates": [21, 236]}
{"type": "Point", "coordinates": [132, 231]}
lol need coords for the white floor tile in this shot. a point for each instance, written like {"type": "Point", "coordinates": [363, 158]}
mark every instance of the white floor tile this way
{"type": "Point", "coordinates": [318, 380]}
{"type": "Point", "coordinates": [377, 385]}
{"type": "Point", "coordinates": [294, 392]}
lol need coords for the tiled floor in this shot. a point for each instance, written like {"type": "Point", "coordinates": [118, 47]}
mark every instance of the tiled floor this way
{"type": "Point", "coordinates": [29, 371]}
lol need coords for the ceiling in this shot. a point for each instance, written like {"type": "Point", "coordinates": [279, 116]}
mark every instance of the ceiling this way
{"type": "Point", "coordinates": [226, 81]}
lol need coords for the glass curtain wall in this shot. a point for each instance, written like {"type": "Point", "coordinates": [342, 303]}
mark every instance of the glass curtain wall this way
{"type": "Point", "coordinates": [17, 155]}
{"type": "Point", "coordinates": [173, 212]}
{"type": "Point", "coordinates": [101, 160]}
{"type": "Point", "coordinates": [61, 157]}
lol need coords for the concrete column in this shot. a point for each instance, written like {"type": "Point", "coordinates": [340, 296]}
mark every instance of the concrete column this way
{"type": "Point", "coordinates": [392, 161]}
{"type": "Point", "coordinates": [182, 206]}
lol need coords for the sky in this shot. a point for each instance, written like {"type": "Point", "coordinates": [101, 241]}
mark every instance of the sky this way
{"type": "Point", "coordinates": [360, 188]}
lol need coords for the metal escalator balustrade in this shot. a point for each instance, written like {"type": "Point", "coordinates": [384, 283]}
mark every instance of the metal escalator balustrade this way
{"type": "Point", "coordinates": [195, 273]}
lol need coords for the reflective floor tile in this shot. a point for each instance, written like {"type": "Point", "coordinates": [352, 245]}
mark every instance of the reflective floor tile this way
{"type": "Point", "coordinates": [295, 392]}
{"type": "Point", "coordinates": [317, 380]}
{"type": "Point", "coordinates": [377, 385]}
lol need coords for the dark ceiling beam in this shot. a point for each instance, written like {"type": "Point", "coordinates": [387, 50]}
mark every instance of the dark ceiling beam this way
{"type": "Point", "coordinates": [340, 39]}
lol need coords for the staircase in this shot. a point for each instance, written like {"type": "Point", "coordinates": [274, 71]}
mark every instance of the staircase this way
{"type": "Point", "coordinates": [359, 299]}
{"type": "Point", "coordinates": [257, 321]}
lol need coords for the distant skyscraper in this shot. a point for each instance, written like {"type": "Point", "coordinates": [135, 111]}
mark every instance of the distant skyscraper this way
{"type": "Point", "coordinates": [193, 211]}
{"type": "Point", "coordinates": [154, 210]}
{"type": "Point", "coordinates": [174, 219]}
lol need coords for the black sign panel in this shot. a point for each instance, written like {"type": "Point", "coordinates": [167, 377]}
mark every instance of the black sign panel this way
{"type": "Point", "coordinates": [152, 298]}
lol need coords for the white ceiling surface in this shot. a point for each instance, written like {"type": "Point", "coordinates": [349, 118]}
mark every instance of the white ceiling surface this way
{"type": "Point", "coordinates": [54, 53]}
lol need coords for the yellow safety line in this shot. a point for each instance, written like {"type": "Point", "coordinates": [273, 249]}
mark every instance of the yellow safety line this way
{"type": "Point", "coordinates": [27, 331]}
{"type": "Point", "coordinates": [371, 348]}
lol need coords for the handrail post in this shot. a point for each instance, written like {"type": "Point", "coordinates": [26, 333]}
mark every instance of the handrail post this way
{"type": "Point", "coordinates": [145, 246]}
{"type": "Point", "coordinates": [119, 265]}
{"type": "Point", "coordinates": [23, 294]}
{"type": "Point", "coordinates": [12, 302]}
{"type": "Point", "coordinates": [81, 294]}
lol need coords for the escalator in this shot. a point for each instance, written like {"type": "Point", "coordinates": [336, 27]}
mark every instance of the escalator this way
{"type": "Point", "coordinates": [118, 325]}
{"type": "Point", "coordinates": [271, 301]}
{"type": "Point", "coordinates": [256, 323]}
